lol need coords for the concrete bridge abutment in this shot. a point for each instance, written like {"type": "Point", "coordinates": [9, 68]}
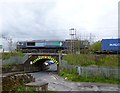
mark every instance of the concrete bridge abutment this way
{"type": "Point", "coordinates": [35, 61]}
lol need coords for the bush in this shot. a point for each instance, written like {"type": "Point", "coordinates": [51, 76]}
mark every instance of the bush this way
{"type": "Point", "coordinates": [109, 61]}
{"type": "Point", "coordinates": [87, 60]}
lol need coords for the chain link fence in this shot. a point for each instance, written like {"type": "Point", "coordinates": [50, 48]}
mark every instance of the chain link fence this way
{"type": "Point", "coordinates": [92, 71]}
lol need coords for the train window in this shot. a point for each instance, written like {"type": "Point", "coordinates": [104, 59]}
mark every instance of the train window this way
{"type": "Point", "coordinates": [30, 43]}
{"type": "Point", "coordinates": [19, 43]}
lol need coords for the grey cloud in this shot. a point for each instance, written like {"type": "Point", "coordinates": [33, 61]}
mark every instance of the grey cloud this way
{"type": "Point", "coordinates": [41, 20]}
{"type": "Point", "coordinates": [27, 21]}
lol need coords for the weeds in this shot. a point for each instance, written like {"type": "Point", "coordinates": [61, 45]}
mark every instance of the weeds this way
{"type": "Point", "coordinates": [88, 59]}
{"type": "Point", "coordinates": [72, 75]}
{"type": "Point", "coordinates": [7, 55]}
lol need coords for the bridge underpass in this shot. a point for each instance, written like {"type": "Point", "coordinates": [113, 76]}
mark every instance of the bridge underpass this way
{"type": "Point", "coordinates": [43, 65]}
{"type": "Point", "coordinates": [36, 61]}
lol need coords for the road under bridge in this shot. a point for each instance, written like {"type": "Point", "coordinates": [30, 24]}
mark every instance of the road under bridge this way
{"type": "Point", "coordinates": [35, 61]}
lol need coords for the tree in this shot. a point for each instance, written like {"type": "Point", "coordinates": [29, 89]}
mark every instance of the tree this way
{"type": "Point", "coordinates": [10, 42]}
{"type": "Point", "coordinates": [96, 46]}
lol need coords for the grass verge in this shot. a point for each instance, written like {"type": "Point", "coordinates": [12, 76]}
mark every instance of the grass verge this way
{"type": "Point", "coordinates": [72, 75]}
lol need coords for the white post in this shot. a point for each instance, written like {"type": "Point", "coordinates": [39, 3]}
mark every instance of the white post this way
{"type": "Point", "coordinates": [79, 70]}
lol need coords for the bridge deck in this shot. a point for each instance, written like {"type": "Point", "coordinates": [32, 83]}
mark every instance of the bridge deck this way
{"type": "Point", "coordinates": [45, 54]}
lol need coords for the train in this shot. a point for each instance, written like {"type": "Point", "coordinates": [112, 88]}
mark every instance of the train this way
{"type": "Point", "coordinates": [110, 46]}
{"type": "Point", "coordinates": [49, 46]}
{"type": "Point", "coordinates": [40, 46]}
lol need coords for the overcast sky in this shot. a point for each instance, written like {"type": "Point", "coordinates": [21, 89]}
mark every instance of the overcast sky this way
{"type": "Point", "coordinates": [52, 19]}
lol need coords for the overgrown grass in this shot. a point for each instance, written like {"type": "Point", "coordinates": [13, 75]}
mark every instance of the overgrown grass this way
{"type": "Point", "coordinates": [88, 59]}
{"type": "Point", "coordinates": [8, 65]}
{"type": "Point", "coordinates": [22, 89]}
{"type": "Point", "coordinates": [109, 61]}
{"type": "Point", "coordinates": [72, 75]}
{"type": "Point", "coordinates": [7, 55]}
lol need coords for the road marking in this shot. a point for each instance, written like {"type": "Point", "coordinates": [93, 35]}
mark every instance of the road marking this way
{"type": "Point", "coordinates": [54, 77]}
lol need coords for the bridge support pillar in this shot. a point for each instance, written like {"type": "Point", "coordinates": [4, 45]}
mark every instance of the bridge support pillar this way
{"type": "Point", "coordinates": [58, 65]}
{"type": "Point", "coordinates": [58, 68]}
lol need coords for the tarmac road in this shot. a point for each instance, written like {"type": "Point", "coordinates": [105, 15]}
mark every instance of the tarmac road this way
{"type": "Point", "coordinates": [57, 83]}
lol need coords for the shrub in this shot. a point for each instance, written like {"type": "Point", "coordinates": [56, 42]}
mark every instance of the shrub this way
{"type": "Point", "coordinates": [87, 60]}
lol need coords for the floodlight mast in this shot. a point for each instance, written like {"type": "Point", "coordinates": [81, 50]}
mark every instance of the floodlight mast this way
{"type": "Point", "coordinates": [73, 36]}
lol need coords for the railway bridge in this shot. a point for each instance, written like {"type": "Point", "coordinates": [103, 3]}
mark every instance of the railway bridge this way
{"type": "Point", "coordinates": [35, 61]}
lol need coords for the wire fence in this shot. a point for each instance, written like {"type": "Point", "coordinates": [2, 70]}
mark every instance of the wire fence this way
{"type": "Point", "coordinates": [90, 71]}
{"type": "Point", "coordinates": [93, 71]}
